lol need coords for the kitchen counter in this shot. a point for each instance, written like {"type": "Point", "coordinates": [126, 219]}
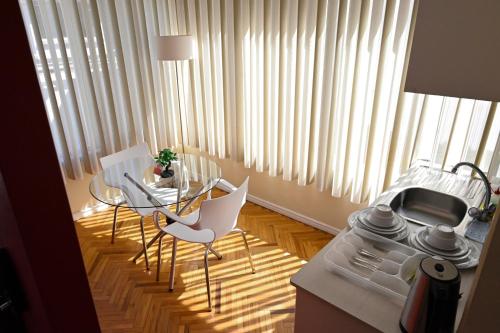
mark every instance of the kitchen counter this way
{"type": "Point", "coordinates": [327, 301]}
{"type": "Point", "coordinates": [365, 309]}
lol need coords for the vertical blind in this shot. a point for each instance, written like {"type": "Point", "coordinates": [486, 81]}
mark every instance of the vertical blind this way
{"type": "Point", "coordinates": [310, 91]}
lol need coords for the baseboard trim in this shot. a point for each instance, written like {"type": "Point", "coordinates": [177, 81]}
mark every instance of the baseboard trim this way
{"type": "Point", "coordinates": [288, 213]}
{"type": "Point", "coordinates": [89, 211]}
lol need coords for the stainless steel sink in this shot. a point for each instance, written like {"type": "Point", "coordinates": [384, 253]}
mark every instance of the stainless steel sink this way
{"type": "Point", "coordinates": [427, 196]}
{"type": "Point", "coordinates": [428, 207]}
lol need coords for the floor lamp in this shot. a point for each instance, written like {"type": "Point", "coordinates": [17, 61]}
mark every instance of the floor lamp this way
{"type": "Point", "coordinates": [176, 48]}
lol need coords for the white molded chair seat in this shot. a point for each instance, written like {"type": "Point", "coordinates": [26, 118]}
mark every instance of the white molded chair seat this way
{"type": "Point", "coordinates": [215, 219]}
{"type": "Point", "coordinates": [188, 234]}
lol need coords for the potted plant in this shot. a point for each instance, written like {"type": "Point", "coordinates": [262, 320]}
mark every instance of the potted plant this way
{"type": "Point", "coordinates": [164, 160]}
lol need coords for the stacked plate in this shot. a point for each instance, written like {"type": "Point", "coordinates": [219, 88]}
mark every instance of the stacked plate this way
{"type": "Point", "coordinates": [380, 220]}
{"type": "Point", "coordinates": [441, 240]}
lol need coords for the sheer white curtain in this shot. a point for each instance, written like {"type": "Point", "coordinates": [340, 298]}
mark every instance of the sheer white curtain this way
{"type": "Point", "coordinates": [311, 91]}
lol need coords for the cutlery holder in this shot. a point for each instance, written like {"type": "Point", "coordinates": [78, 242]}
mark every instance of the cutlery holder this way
{"type": "Point", "coordinates": [374, 262]}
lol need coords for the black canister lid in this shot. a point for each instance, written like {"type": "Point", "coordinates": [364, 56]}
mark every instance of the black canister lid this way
{"type": "Point", "coordinates": [439, 268]}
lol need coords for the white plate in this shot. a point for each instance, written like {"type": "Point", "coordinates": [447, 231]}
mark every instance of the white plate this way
{"type": "Point", "coordinates": [395, 236]}
{"type": "Point", "coordinates": [429, 248]}
{"type": "Point", "coordinates": [397, 228]}
{"type": "Point", "coordinates": [461, 244]}
{"type": "Point", "coordinates": [416, 243]}
{"type": "Point", "coordinates": [378, 231]}
{"type": "Point", "coordinates": [469, 260]}
{"type": "Point", "coordinates": [398, 222]}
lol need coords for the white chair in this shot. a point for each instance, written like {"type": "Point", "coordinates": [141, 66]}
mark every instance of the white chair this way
{"type": "Point", "coordinates": [137, 151]}
{"type": "Point", "coordinates": [131, 193]}
{"type": "Point", "coordinates": [214, 219]}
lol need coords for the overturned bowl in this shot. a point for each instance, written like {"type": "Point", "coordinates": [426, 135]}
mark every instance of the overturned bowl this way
{"type": "Point", "coordinates": [442, 237]}
{"type": "Point", "coordinates": [381, 216]}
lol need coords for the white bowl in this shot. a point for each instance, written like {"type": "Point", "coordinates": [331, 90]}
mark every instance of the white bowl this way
{"type": "Point", "coordinates": [442, 237]}
{"type": "Point", "coordinates": [381, 216]}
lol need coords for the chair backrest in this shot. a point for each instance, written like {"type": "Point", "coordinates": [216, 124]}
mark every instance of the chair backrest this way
{"type": "Point", "coordinates": [140, 150]}
{"type": "Point", "coordinates": [221, 214]}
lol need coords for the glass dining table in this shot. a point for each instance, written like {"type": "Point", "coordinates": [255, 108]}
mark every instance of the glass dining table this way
{"type": "Point", "coordinates": [194, 176]}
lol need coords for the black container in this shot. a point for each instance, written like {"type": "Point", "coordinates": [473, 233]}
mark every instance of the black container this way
{"type": "Point", "coordinates": [432, 303]}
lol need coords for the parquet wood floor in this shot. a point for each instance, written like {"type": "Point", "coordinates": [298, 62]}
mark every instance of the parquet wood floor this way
{"type": "Point", "coordinates": [128, 299]}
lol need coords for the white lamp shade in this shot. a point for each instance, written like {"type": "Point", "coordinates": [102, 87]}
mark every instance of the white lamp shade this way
{"type": "Point", "coordinates": [174, 47]}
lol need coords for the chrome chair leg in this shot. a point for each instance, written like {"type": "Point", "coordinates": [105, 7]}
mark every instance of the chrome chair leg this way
{"type": "Point", "coordinates": [207, 278]}
{"type": "Point", "coordinates": [158, 264]}
{"type": "Point", "coordinates": [215, 253]}
{"type": "Point", "coordinates": [114, 225]}
{"type": "Point", "coordinates": [243, 234]}
{"type": "Point", "coordinates": [154, 239]}
{"type": "Point", "coordinates": [144, 247]}
{"type": "Point", "coordinates": [172, 265]}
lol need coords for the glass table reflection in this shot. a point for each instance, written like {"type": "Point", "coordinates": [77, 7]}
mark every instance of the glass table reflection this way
{"type": "Point", "coordinates": [197, 176]}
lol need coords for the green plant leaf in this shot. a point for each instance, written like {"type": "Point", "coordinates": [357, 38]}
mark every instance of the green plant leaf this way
{"type": "Point", "coordinates": [165, 156]}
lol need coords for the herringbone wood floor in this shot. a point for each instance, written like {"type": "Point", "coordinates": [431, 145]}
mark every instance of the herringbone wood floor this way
{"type": "Point", "coordinates": [128, 299]}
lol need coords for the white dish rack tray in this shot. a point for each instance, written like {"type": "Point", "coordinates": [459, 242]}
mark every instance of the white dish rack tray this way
{"type": "Point", "coordinates": [374, 262]}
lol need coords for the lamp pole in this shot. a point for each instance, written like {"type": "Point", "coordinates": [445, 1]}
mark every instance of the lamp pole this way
{"type": "Point", "coordinates": [179, 102]}
{"type": "Point", "coordinates": [181, 164]}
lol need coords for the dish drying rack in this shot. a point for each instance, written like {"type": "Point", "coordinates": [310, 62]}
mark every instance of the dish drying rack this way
{"type": "Point", "coordinates": [374, 262]}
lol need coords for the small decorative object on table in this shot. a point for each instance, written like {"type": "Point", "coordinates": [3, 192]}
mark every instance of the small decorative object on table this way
{"type": "Point", "coordinates": [164, 161]}
{"type": "Point", "coordinates": [163, 164]}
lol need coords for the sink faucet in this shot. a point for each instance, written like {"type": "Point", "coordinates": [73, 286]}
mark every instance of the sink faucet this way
{"type": "Point", "coordinates": [480, 214]}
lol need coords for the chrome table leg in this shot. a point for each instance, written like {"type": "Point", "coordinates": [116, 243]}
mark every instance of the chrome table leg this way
{"type": "Point", "coordinates": [172, 265]}
{"type": "Point", "coordinates": [144, 248]}
{"type": "Point", "coordinates": [158, 264]}
{"type": "Point", "coordinates": [114, 220]}
{"type": "Point", "coordinates": [207, 278]}
{"type": "Point", "coordinates": [114, 225]}
{"type": "Point", "coordinates": [148, 245]}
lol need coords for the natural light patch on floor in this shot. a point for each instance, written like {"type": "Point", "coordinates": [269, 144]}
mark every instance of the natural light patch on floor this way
{"type": "Point", "coordinates": [128, 298]}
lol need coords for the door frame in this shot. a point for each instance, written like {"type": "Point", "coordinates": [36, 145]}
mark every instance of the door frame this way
{"type": "Point", "coordinates": [36, 224]}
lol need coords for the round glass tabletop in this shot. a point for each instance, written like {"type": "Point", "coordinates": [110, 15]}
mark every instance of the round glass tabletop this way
{"type": "Point", "coordinates": [195, 175]}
